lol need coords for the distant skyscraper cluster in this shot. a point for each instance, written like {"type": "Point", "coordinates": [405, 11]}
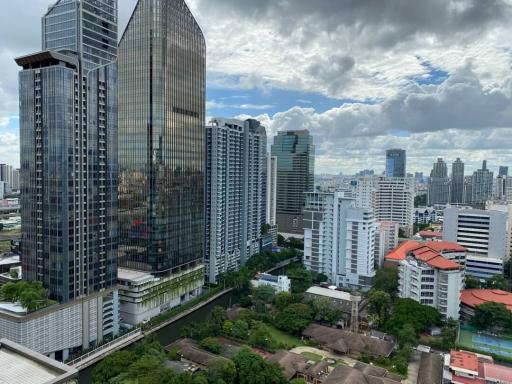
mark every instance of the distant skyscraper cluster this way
{"type": "Point", "coordinates": [9, 179]}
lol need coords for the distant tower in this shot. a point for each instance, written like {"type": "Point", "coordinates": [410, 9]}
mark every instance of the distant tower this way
{"type": "Point", "coordinates": [457, 182]}
{"type": "Point", "coordinates": [395, 163]}
{"type": "Point", "coordinates": [355, 298]}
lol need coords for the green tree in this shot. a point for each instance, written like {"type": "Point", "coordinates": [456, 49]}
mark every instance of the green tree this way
{"type": "Point", "coordinates": [240, 330]}
{"type": "Point", "coordinates": [406, 335]}
{"type": "Point", "coordinates": [112, 366]}
{"type": "Point", "coordinates": [211, 344]}
{"type": "Point", "coordinates": [253, 369]}
{"type": "Point", "coordinates": [264, 293]}
{"type": "Point", "coordinates": [282, 300]}
{"type": "Point", "coordinates": [324, 311]}
{"type": "Point", "coordinates": [471, 282]}
{"type": "Point", "coordinates": [264, 229]}
{"type": "Point", "coordinates": [407, 311]}
{"type": "Point", "coordinates": [294, 318]}
{"type": "Point", "coordinates": [296, 243]}
{"type": "Point", "coordinates": [221, 372]}
{"type": "Point", "coordinates": [260, 336]}
{"type": "Point", "coordinates": [386, 279]}
{"type": "Point", "coordinates": [379, 306]}
{"type": "Point", "coordinates": [497, 282]}
{"type": "Point", "coordinates": [281, 241]}
{"type": "Point", "coordinates": [492, 316]}
{"type": "Point", "coordinates": [301, 279]}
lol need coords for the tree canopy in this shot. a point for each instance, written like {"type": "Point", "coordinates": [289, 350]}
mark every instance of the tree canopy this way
{"type": "Point", "coordinates": [386, 279]}
{"type": "Point", "coordinates": [379, 306]}
{"type": "Point", "coordinates": [492, 317]}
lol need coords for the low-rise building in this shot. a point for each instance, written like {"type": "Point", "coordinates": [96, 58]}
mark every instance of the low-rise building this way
{"type": "Point", "coordinates": [143, 296]}
{"type": "Point", "coordinates": [463, 367]}
{"type": "Point", "coordinates": [424, 215]}
{"type": "Point", "coordinates": [429, 277]}
{"type": "Point", "coordinates": [471, 298]}
{"type": "Point", "coordinates": [20, 365]}
{"type": "Point", "coordinates": [339, 299]}
{"type": "Point", "coordinates": [386, 239]}
{"type": "Point", "coordinates": [280, 283]}
{"type": "Point", "coordinates": [430, 235]}
{"type": "Point", "coordinates": [60, 330]}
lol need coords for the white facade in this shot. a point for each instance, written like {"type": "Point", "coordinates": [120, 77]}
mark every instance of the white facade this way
{"type": "Point", "coordinates": [280, 283]}
{"type": "Point", "coordinates": [481, 232]}
{"type": "Point", "coordinates": [438, 287]}
{"type": "Point", "coordinates": [425, 215]}
{"type": "Point", "coordinates": [236, 189]}
{"type": "Point", "coordinates": [391, 198]}
{"type": "Point", "coordinates": [339, 239]}
{"type": "Point", "coordinates": [386, 239]}
{"type": "Point", "coordinates": [60, 330]}
{"type": "Point", "coordinates": [271, 189]}
{"type": "Point", "coordinates": [483, 267]}
{"type": "Point", "coordinates": [143, 296]}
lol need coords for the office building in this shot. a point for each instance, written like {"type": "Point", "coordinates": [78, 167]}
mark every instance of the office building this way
{"type": "Point", "coordinates": [439, 184]}
{"type": "Point", "coordinates": [483, 267]}
{"type": "Point", "coordinates": [280, 283]}
{"type": "Point", "coordinates": [503, 171]}
{"type": "Point", "coordinates": [68, 129]}
{"type": "Point", "coordinates": [395, 163]}
{"type": "Point", "coordinates": [500, 188]}
{"type": "Point", "coordinates": [430, 273]}
{"type": "Point", "coordinates": [162, 144]}
{"type": "Point", "coordinates": [468, 189]}
{"type": "Point", "coordinates": [386, 239]}
{"type": "Point", "coordinates": [339, 239]}
{"type": "Point", "coordinates": [457, 182]}
{"type": "Point", "coordinates": [236, 193]}
{"type": "Point", "coordinates": [482, 232]}
{"type": "Point", "coordinates": [295, 154]}
{"type": "Point", "coordinates": [481, 186]}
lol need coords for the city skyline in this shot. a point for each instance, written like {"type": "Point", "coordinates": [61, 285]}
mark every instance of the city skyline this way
{"type": "Point", "coordinates": [429, 82]}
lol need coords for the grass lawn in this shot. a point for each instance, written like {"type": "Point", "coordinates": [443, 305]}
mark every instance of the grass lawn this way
{"type": "Point", "coordinates": [283, 338]}
{"type": "Point", "coordinates": [312, 356]}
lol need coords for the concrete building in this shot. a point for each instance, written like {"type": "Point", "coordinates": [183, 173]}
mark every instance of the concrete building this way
{"type": "Point", "coordinates": [20, 365]}
{"type": "Point", "coordinates": [468, 189]}
{"type": "Point", "coordinates": [339, 239]}
{"type": "Point", "coordinates": [143, 296]}
{"type": "Point", "coordinates": [272, 196]}
{"type": "Point", "coordinates": [482, 186]}
{"type": "Point", "coordinates": [439, 184]}
{"type": "Point", "coordinates": [338, 299]}
{"type": "Point", "coordinates": [503, 171]}
{"type": "Point", "coordinates": [58, 331]}
{"type": "Point", "coordinates": [483, 267]}
{"type": "Point", "coordinates": [457, 182]}
{"type": "Point", "coordinates": [431, 279]}
{"type": "Point", "coordinates": [68, 135]}
{"type": "Point", "coordinates": [395, 163]}
{"type": "Point", "coordinates": [295, 155]}
{"type": "Point", "coordinates": [482, 232]}
{"type": "Point", "coordinates": [463, 367]}
{"type": "Point", "coordinates": [162, 76]}
{"type": "Point", "coordinates": [280, 283]}
{"type": "Point", "coordinates": [6, 175]}
{"type": "Point", "coordinates": [386, 239]}
{"type": "Point", "coordinates": [236, 189]}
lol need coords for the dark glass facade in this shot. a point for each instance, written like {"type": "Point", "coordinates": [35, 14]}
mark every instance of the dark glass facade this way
{"type": "Point", "coordinates": [295, 154]}
{"type": "Point", "coordinates": [395, 163]}
{"type": "Point", "coordinates": [161, 138]}
{"type": "Point", "coordinates": [68, 129]}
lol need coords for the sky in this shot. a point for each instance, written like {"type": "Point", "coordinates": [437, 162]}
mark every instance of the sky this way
{"type": "Point", "coordinates": [431, 76]}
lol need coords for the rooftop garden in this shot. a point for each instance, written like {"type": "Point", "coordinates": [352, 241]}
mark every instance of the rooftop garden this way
{"type": "Point", "coordinates": [30, 295]}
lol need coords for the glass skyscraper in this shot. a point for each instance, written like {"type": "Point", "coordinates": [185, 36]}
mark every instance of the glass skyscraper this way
{"type": "Point", "coordinates": [395, 163]}
{"type": "Point", "coordinates": [295, 155]}
{"type": "Point", "coordinates": [161, 139]}
{"type": "Point", "coordinates": [68, 128]}
{"type": "Point", "coordinates": [457, 182]}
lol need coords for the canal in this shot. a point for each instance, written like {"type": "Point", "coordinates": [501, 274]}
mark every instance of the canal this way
{"type": "Point", "coordinates": [171, 333]}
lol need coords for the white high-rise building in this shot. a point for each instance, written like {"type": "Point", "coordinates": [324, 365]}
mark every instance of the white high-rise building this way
{"type": "Point", "coordinates": [391, 198]}
{"type": "Point", "coordinates": [482, 232]}
{"type": "Point", "coordinates": [271, 196]}
{"type": "Point", "coordinates": [339, 239]}
{"type": "Point", "coordinates": [236, 204]}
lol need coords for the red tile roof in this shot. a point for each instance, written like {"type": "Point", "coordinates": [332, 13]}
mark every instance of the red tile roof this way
{"type": "Point", "coordinates": [498, 373]}
{"type": "Point", "coordinates": [466, 380]}
{"type": "Point", "coordinates": [429, 253]}
{"type": "Point", "coordinates": [431, 234]}
{"type": "Point", "coordinates": [474, 297]}
{"type": "Point", "coordinates": [464, 360]}
{"type": "Point", "coordinates": [445, 246]}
